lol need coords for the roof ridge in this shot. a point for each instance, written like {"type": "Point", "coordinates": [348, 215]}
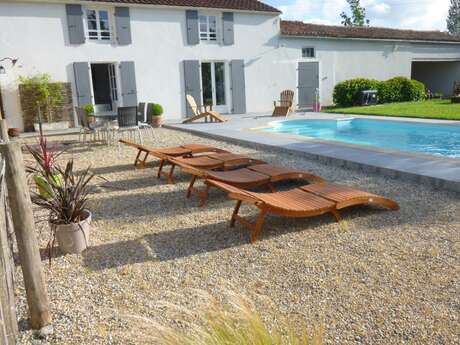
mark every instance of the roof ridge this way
{"type": "Point", "coordinates": [299, 28]}
{"type": "Point", "coordinates": [243, 5]}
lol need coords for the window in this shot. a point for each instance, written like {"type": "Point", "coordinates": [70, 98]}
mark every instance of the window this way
{"type": "Point", "coordinates": [208, 28]}
{"type": "Point", "coordinates": [98, 24]}
{"type": "Point", "coordinates": [308, 52]}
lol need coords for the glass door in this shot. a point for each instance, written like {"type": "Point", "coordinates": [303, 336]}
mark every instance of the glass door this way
{"type": "Point", "coordinates": [113, 86]}
{"type": "Point", "coordinates": [213, 85]}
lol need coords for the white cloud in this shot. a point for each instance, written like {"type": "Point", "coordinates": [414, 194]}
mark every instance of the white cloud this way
{"type": "Point", "coordinates": [421, 15]}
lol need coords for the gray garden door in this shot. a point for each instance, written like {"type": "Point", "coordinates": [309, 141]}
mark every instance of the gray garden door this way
{"type": "Point", "coordinates": [128, 83]}
{"type": "Point", "coordinates": [82, 83]}
{"type": "Point", "coordinates": [308, 82]}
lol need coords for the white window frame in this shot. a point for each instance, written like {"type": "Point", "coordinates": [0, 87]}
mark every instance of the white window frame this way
{"type": "Point", "coordinates": [206, 36]}
{"type": "Point", "coordinates": [309, 57]}
{"type": "Point", "coordinates": [98, 30]}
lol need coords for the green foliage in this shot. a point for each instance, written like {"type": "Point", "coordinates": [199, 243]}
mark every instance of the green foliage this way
{"type": "Point", "coordinates": [453, 19]}
{"type": "Point", "coordinates": [89, 109]}
{"type": "Point", "coordinates": [347, 93]}
{"type": "Point", "coordinates": [237, 324]}
{"type": "Point", "coordinates": [401, 89]}
{"type": "Point", "coordinates": [47, 94]}
{"type": "Point", "coordinates": [398, 89]}
{"type": "Point", "coordinates": [358, 15]}
{"type": "Point", "coordinates": [157, 109]}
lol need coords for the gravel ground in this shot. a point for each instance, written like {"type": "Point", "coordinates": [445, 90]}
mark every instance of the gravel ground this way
{"type": "Point", "coordinates": [379, 277]}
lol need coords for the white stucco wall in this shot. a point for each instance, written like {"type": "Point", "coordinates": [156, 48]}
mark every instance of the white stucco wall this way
{"type": "Point", "coordinates": [37, 35]}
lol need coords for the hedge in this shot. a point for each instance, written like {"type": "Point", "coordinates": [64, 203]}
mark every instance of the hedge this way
{"type": "Point", "coordinates": [398, 89]}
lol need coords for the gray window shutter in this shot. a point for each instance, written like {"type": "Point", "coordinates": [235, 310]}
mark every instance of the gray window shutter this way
{"type": "Point", "coordinates": [82, 83]}
{"type": "Point", "coordinates": [128, 83]}
{"type": "Point", "coordinates": [193, 36]}
{"type": "Point", "coordinates": [238, 87]}
{"type": "Point", "coordinates": [123, 25]}
{"type": "Point", "coordinates": [75, 24]}
{"type": "Point", "coordinates": [192, 82]}
{"type": "Point", "coordinates": [229, 36]}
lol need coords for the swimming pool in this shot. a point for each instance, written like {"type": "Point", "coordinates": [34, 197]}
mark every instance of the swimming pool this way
{"type": "Point", "coordinates": [429, 138]}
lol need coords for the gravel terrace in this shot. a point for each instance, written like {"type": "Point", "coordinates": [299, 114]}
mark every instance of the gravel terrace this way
{"type": "Point", "coordinates": [379, 277]}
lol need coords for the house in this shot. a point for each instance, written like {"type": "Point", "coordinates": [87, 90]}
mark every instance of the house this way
{"type": "Point", "coordinates": [236, 55]}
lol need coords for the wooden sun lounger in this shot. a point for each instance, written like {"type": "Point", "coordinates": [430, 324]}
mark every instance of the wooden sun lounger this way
{"type": "Point", "coordinates": [211, 161]}
{"type": "Point", "coordinates": [306, 201]}
{"type": "Point", "coordinates": [252, 176]}
{"type": "Point", "coordinates": [204, 113]}
{"type": "Point", "coordinates": [164, 153]}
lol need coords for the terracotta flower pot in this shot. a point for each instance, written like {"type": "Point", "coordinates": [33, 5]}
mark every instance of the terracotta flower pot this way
{"type": "Point", "coordinates": [156, 121]}
{"type": "Point", "coordinates": [74, 238]}
{"type": "Point", "coordinates": [14, 132]}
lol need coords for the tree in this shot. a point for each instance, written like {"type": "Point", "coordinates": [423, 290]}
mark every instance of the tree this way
{"type": "Point", "coordinates": [453, 19]}
{"type": "Point", "coordinates": [358, 15]}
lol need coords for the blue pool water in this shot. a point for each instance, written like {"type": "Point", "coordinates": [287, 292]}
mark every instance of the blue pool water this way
{"type": "Point", "coordinates": [434, 139]}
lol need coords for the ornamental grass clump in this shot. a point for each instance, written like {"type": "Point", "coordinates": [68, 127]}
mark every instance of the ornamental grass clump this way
{"type": "Point", "coordinates": [237, 324]}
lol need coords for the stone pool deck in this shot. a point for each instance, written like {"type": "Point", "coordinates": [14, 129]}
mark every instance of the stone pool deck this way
{"type": "Point", "coordinates": [441, 172]}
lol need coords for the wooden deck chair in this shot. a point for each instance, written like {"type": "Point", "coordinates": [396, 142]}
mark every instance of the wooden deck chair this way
{"type": "Point", "coordinates": [310, 200]}
{"type": "Point", "coordinates": [293, 203]}
{"type": "Point", "coordinates": [255, 175]}
{"type": "Point", "coordinates": [202, 113]}
{"type": "Point", "coordinates": [164, 153]}
{"type": "Point", "coordinates": [284, 106]}
{"type": "Point", "coordinates": [219, 160]}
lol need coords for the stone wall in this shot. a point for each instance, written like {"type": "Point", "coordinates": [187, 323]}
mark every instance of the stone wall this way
{"type": "Point", "coordinates": [62, 112]}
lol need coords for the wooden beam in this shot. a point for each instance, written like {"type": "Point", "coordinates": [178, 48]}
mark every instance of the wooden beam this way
{"type": "Point", "coordinates": [4, 130]}
{"type": "Point", "coordinates": [24, 227]}
{"type": "Point", "coordinates": [8, 321]}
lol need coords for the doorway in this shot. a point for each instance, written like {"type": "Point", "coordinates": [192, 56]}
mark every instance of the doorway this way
{"type": "Point", "coordinates": [308, 83]}
{"type": "Point", "coordinates": [213, 85]}
{"type": "Point", "coordinates": [105, 89]}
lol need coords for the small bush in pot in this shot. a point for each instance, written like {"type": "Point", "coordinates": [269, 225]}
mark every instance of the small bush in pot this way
{"type": "Point", "coordinates": [69, 217]}
{"type": "Point", "coordinates": [157, 112]}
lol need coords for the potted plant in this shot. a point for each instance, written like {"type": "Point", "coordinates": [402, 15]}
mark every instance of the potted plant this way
{"type": "Point", "coordinates": [45, 168]}
{"type": "Point", "coordinates": [89, 110]}
{"type": "Point", "coordinates": [157, 111]}
{"type": "Point", "coordinates": [69, 218]}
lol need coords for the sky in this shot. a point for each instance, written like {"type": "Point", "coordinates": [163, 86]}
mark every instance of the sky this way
{"type": "Point", "coordinates": [404, 14]}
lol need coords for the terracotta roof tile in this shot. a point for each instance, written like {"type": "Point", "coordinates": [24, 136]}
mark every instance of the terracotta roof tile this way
{"type": "Point", "coordinates": [244, 5]}
{"type": "Point", "coordinates": [295, 28]}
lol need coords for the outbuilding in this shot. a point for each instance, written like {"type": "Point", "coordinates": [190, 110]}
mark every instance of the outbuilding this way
{"type": "Point", "coordinates": [323, 55]}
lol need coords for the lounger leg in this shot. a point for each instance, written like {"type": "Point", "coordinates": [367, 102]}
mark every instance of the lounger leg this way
{"type": "Point", "coordinates": [235, 213]}
{"type": "Point", "coordinates": [255, 233]}
{"type": "Point", "coordinates": [137, 158]}
{"type": "Point", "coordinates": [190, 187]}
{"type": "Point", "coordinates": [271, 187]}
{"type": "Point", "coordinates": [170, 175]}
{"type": "Point", "coordinates": [160, 168]}
{"type": "Point", "coordinates": [337, 215]}
{"type": "Point", "coordinates": [145, 159]}
{"type": "Point", "coordinates": [204, 195]}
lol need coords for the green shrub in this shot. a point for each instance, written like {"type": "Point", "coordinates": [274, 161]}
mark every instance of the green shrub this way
{"type": "Point", "coordinates": [89, 109]}
{"type": "Point", "coordinates": [398, 89]}
{"type": "Point", "coordinates": [347, 93]}
{"type": "Point", "coordinates": [157, 109]}
{"type": "Point", "coordinates": [402, 89]}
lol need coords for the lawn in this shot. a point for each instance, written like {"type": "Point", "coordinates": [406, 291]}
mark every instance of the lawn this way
{"type": "Point", "coordinates": [432, 109]}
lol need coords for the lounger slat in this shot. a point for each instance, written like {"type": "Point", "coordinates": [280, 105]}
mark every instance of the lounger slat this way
{"type": "Point", "coordinates": [346, 196]}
